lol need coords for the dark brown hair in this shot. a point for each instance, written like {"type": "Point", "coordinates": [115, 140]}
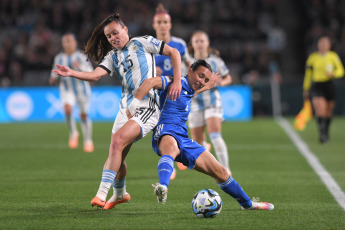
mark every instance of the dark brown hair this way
{"type": "Point", "coordinates": [98, 46]}
{"type": "Point", "coordinates": [160, 9]}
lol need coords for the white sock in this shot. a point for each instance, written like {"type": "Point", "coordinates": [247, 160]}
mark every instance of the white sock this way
{"type": "Point", "coordinates": [71, 124]}
{"type": "Point", "coordinates": [108, 177]}
{"type": "Point", "coordinates": [119, 188]}
{"type": "Point", "coordinates": [86, 128]}
{"type": "Point", "coordinates": [220, 149]}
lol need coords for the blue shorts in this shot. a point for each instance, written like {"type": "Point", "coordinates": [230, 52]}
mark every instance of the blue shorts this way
{"type": "Point", "coordinates": [189, 149]}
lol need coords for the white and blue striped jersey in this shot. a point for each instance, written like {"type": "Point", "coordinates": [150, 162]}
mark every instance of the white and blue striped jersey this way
{"type": "Point", "coordinates": [77, 61]}
{"type": "Point", "coordinates": [164, 62]}
{"type": "Point", "coordinates": [210, 98]}
{"type": "Point", "coordinates": [133, 64]}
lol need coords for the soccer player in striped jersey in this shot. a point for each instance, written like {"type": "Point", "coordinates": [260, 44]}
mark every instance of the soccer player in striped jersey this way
{"type": "Point", "coordinates": [132, 60]}
{"type": "Point", "coordinates": [206, 108]}
{"type": "Point", "coordinates": [322, 67]}
{"type": "Point", "coordinates": [170, 138]}
{"type": "Point", "coordinates": [162, 25]}
{"type": "Point", "coordinates": [74, 91]}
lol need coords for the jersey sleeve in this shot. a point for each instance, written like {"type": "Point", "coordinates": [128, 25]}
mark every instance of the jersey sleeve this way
{"type": "Point", "coordinates": [166, 81]}
{"type": "Point", "coordinates": [223, 69]}
{"type": "Point", "coordinates": [107, 63]}
{"type": "Point", "coordinates": [308, 73]}
{"type": "Point", "coordinates": [151, 44]}
{"type": "Point", "coordinates": [338, 66]}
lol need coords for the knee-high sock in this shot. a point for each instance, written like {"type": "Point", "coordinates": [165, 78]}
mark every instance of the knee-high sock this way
{"type": "Point", "coordinates": [231, 187]}
{"type": "Point", "coordinates": [72, 127]}
{"type": "Point", "coordinates": [220, 149]}
{"type": "Point", "coordinates": [328, 122]}
{"type": "Point", "coordinates": [321, 122]}
{"type": "Point", "coordinates": [86, 128]}
{"type": "Point", "coordinates": [108, 177]}
{"type": "Point", "coordinates": [119, 187]}
{"type": "Point", "coordinates": [165, 169]}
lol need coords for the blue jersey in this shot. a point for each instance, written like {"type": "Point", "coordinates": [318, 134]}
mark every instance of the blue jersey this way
{"type": "Point", "coordinates": [172, 122]}
{"type": "Point", "coordinates": [175, 112]}
{"type": "Point", "coordinates": [164, 62]}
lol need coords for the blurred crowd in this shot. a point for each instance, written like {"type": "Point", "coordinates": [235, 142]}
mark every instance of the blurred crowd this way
{"type": "Point", "coordinates": [245, 32]}
{"type": "Point", "coordinates": [324, 17]}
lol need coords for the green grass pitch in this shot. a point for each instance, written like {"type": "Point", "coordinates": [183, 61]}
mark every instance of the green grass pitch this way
{"type": "Point", "coordinates": [45, 185]}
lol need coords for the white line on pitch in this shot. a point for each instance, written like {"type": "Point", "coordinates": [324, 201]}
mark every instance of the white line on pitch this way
{"type": "Point", "coordinates": [324, 175]}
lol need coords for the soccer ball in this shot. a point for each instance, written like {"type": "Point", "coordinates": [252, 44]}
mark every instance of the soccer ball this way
{"type": "Point", "coordinates": [207, 203]}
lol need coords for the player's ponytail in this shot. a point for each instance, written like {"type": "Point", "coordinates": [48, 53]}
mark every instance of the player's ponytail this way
{"type": "Point", "coordinates": [98, 46]}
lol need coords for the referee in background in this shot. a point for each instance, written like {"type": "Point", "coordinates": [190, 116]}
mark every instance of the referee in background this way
{"type": "Point", "coordinates": [322, 67]}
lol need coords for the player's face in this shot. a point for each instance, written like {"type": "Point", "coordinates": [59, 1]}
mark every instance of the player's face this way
{"type": "Point", "coordinates": [324, 45]}
{"type": "Point", "coordinates": [116, 34]}
{"type": "Point", "coordinates": [69, 43]}
{"type": "Point", "coordinates": [198, 78]}
{"type": "Point", "coordinates": [200, 42]}
{"type": "Point", "coordinates": [162, 24]}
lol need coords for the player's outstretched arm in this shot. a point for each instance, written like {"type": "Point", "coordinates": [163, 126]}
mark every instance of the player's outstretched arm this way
{"type": "Point", "coordinates": [148, 84]}
{"type": "Point", "coordinates": [210, 84]}
{"type": "Point", "coordinates": [93, 76]}
{"type": "Point", "coordinates": [176, 87]}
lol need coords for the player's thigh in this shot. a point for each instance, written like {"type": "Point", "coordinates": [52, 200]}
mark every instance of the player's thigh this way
{"type": "Point", "coordinates": [197, 134]}
{"type": "Point", "coordinates": [320, 106]}
{"type": "Point", "coordinates": [207, 164]}
{"type": "Point", "coordinates": [126, 135]}
{"type": "Point", "coordinates": [168, 146]}
{"type": "Point", "coordinates": [214, 124]}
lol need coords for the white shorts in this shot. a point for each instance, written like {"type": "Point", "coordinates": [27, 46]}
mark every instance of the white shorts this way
{"type": "Point", "coordinates": [147, 117]}
{"type": "Point", "coordinates": [198, 118]}
{"type": "Point", "coordinates": [68, 97]}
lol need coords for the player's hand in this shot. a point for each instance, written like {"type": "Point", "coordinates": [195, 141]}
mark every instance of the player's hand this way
{"type": "Point", "coordinates": [129, 115]}
{"type": "Point", "coordinates": [63, 70]}
{"type": "Point", "coordinates": [175, 90]}
{"type": "Point", "coordinates": [132, 108]}
{"type": "Point", "coordinates": [159, 71]}
{"type": "Point", "coordinates": [215, 79]}
{"type": "Point", "coordinates": [52, 81]}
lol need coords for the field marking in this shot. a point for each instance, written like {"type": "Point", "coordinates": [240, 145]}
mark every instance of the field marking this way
{"type": "Point", "coordinates": [313, 161]}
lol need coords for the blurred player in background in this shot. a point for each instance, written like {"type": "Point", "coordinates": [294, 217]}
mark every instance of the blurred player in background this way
{"type": "Point", "coordinates": [322, 67]}
{"type": "Point", "coordinates": [162, 25]}
{"type": "Point", "coordinates": [170, 138]}
{"type": "Point", "coordinates": [206, 108]}
{"type": "Point", "coordinates": [74, 91]}
{"type": "Point", "coordinates": [132, 61]}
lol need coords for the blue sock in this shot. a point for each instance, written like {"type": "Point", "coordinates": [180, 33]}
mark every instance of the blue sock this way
{"type": "Point", "coordinates": [165, 169]}
{"type": "Point", "coordinates": [108, 176]}
{"type": "Point", "coordinates": [231, 187]}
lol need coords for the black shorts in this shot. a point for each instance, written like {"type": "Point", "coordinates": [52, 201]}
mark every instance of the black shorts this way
{"type": "Point", "coordinates": [323, 89]}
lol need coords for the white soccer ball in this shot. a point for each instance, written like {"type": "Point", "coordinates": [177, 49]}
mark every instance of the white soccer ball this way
{"type": "Point", "coordinates": [207, 203]}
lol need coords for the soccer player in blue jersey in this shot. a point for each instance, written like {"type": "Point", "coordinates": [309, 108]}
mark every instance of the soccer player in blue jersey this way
{"type": "Point", "coordinates": [170, 138]}
{"type": "Point", "coordinates": [162, 25]}
{"type": "Point", "coordinates": [132, 60]}
{"type": "Point", "coordinates": [74, 90]}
